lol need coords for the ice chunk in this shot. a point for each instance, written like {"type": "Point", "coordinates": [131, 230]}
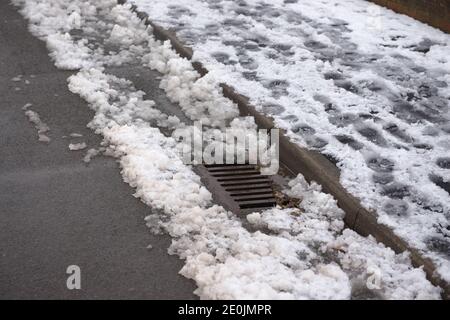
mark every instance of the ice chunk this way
{"type": "Point", "coordinates": [77, 146]}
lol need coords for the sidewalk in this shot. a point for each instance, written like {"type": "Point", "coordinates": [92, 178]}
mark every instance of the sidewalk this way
{"type": "Point", "coordinates": [55, 210]}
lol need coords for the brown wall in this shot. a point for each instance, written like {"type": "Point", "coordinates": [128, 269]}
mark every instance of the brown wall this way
{"type": "Point", "coordinates": [433, 12]}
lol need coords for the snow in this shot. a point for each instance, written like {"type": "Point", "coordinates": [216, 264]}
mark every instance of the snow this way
{"type": "Point", "coordinates": [397, 278]}
{"type": "Point", "coordinates": [297, 253]}
{"type": "Point", "coordinates": [26, 106]}
{"type": "Point", "coordinates": [20, 78]}
{"type": "Point", "coordinates": [75, 135]}
{"type": "Point", "coordinates": [320, 224]}
{"type": "Point", "coordinates": [91, 153]}
{"type": "Point", "coordinates": [361, 84]}
{"type": "Point", "coordinates": [77, 146]}
{"type": "Point", "coordinates": [17, 78]}
{"type": "Point", "coordinates": [41, 127]}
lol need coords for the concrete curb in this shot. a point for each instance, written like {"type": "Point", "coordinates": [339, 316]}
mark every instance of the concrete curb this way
{"type": "Point", "coordinates": [313, 166]}
{"type": "Point", "coordinates": [435, 13]}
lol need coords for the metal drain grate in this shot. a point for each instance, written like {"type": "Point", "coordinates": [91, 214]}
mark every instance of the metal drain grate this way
{"type": "Point", "coordinates": [239, 187]}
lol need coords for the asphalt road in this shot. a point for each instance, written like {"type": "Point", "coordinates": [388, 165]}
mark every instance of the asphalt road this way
{"type": "Point", "coordinates": [55, 210]}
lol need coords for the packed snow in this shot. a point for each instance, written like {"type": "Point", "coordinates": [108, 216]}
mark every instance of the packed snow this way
{"type": "Point", "coordinates": [365, 86]}
{"type": "Point", "coordinates": [297, 253]}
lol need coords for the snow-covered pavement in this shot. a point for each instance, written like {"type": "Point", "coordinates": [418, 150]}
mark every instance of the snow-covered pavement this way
{"type": "Point", "coordinates": [302, 253]}
{"type": "Point", "coordinates": [365, 86]}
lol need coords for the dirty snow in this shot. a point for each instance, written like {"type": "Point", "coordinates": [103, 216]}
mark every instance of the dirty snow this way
{"type": "Point", "coordinates": [41, 127]}
{"type": "Point", "coordinates": [91, 153]}
{"type": "Point", "coordinates": [304, 255]}
{"type": "Point", "coordinates": [365, 86]}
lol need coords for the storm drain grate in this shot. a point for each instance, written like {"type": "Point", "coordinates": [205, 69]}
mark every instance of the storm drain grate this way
{"type": "Point", "coordinates": [239, 187]}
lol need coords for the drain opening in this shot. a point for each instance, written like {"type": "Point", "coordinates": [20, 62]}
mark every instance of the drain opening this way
{"type": "Point", "coordinates": [254, 187]}
{"type": "Point", "coordinates": [233, 173]}
{"type": "Point", "coordinates": [251, 192]}
{"type": "Point", "coordinates": [239, 187]}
